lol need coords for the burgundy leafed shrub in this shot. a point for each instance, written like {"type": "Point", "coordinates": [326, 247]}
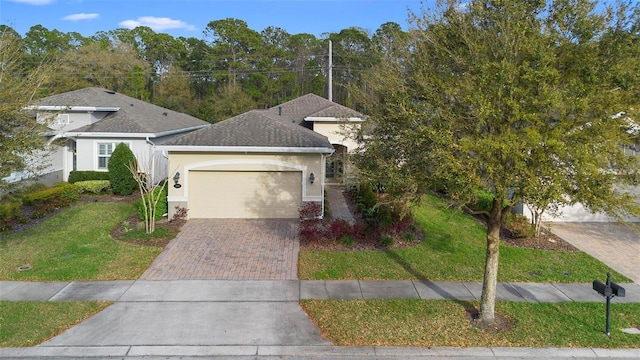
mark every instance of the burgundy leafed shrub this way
{"type": "Point", "coordinates": [310, 210]}
{"type": "Point", "coordinates": [339, 227]}
{"type": "Point", "coordinates": [312, 230]}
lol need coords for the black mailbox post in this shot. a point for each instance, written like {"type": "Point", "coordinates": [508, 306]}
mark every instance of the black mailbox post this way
{"type": "Point", "coordinates": [608, 290]}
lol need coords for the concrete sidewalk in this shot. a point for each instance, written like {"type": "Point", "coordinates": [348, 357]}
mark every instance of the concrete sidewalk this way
{"type": "Point", "coordinates": [312, 353]}
{"type": "Point", "coordinates": [260, 319]}
{"type": "Point", "coordinates": [295, 290]}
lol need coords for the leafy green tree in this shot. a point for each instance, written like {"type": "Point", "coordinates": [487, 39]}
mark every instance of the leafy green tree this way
{"type": "Point", "coordinates": [511, 97]}
{"type": "Point", "coordinates": [42, 44]}
{"type": "Point", "coordinates": [231, 101]}
{"type": "Point", "coordinates": [174, 91]}
{"type": "Point", "coordinates": [111, 65]}
{"type": "Point", "coordinates": [122, 181]}
{"type": "Point", "coordinates": [352, 54]}
{"type": "Point", "coordinates": [21, 134]}
{"type": "Point", "coordinates": [304, 49]}
{"type": "Point", "coordinates": [233, 46]}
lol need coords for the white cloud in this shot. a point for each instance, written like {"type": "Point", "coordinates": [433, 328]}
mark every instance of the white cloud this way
{"type": "Point", "coordinates": [157, 23]}
{"type": "Point", "coordinates": [81, 16]}
{"type": "Point", "coordinates": [34, 2]}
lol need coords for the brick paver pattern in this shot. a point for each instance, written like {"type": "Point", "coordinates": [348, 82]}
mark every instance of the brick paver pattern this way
{"type": "Point", "coordinates": [230, 249]}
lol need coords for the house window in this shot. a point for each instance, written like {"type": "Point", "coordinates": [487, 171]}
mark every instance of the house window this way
{"type": "Point", "coordinates": [63, 119]}
{"type": "Point", "coordinates": [104, 154]}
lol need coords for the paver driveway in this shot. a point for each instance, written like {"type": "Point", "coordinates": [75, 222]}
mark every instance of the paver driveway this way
{"type": "Point", "coordinates": [230, 249]}
{"type": "Point", "coordinates": [616, 245]}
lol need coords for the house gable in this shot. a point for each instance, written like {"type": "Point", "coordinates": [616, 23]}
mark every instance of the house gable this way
{"type": "Point", "coordinates": [100, 111]}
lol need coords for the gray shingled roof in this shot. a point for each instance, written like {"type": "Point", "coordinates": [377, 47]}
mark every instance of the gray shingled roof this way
{"type": "Point", "coordinates": [253, 129]}
{"type": "Point", "coordinates": [134, 116]}
{"type": "Point", "coordinates": [296, 110]}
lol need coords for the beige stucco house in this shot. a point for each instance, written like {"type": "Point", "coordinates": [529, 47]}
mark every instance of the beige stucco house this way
{"type": "Point", "coordinates": [260, 164]}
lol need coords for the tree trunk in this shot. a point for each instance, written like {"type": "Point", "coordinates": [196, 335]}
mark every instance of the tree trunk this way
{"type": "Point", "coordinates": [490, 282]}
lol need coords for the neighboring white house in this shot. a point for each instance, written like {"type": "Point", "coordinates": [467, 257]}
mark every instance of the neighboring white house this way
{"type": "Point", "coordinates": [86, 125]}
{"type": "Point", "coordinates": [579, 213]}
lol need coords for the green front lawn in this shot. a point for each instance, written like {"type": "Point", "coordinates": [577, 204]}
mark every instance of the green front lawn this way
{"type": "Point", "coordinates": [453, 249]}
{"type": "Point", "coordinates": [75, 245]}
{"type": "Point", "coordinates": [29, 323]}
{"type": "Point", "coordinates": [429, 323]}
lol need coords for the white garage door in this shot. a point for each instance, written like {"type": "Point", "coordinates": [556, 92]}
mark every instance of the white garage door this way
{"type": "Point", "coordinates": [244, 194]}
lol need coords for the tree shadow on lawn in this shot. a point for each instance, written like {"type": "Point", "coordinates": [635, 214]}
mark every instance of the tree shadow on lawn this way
{"type": "Point", "coordinates": [472, 313]}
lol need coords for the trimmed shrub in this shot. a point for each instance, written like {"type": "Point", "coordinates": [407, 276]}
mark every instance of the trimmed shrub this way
{"type": "Point", "coordinates": [9, 212]}
{"type": "Point", "coordinates": [69, 193]}
{"type": "Point", "coordinates": [311, 230]}
{"type": "Point", "coordinates": [340, 227]}
{"type": "Point", "coordinates": [161, 206]}
{"type": "Point", "coordinates": [77, 176]}
{"type": "Point", "coordinates": [62, 194]}
{"type": "Point", "coordinates": [180, 213]}
{"type": "Point", "coordinates": [383, 216]}
{"type": "Point", "coordinates": [93, 186]}
{"type": "Point", "coordinates": [369, 198]}
{"type": "Point", "coordinates": [45, 201]}
{"type": "Point", "coordinates": [519, 226]}
{"type": "Point", "coordinates": [309, 210]}
{"type": "Point", "coordinates": [347, 240]}
{"type": "Point", "coordinates": [122, 181]}
{"type": "Point", "coordinates": [409, 237]}
{"type": "Point", "coordinates": [387, 241]}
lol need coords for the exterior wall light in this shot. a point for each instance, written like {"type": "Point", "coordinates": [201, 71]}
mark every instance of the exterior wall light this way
{"type": "Point", "coordinates": [312, 178]}
{"type": "Point", "coordinates": [176, 178]}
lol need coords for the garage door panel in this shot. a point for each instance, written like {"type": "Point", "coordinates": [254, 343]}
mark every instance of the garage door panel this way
{"type": "Point", "coordinates": [244, 194]}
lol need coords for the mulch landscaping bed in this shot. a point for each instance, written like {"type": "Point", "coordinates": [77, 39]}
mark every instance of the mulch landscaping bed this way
{"type": "Point", "coordinates": [173, 227]}
{"type": "Point", "coordinates": [545, 241]}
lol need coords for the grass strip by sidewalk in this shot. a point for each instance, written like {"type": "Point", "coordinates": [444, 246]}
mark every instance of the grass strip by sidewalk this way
{"type": "Point", "coordinates": [75, 245]}
{"type": "Point", "coordinates": [453, 249]}
{"type": "Point", "coordinates": [29, 323]}
{"type": "Point", "coordinates": [416, 322]}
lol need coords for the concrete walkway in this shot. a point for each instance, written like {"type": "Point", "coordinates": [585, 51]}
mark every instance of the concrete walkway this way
{"type": "Point", "coordinates": [338, 204]}
{"type": "Point", "coordinates": [295, 290]}
{"type": "Point", "coordinates": [616, 245]}
{"type": "Point", "coordinates": [261, 319]}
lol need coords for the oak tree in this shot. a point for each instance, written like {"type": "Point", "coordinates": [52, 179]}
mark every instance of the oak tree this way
{"type": "Point", "coordinates": [522, 99]}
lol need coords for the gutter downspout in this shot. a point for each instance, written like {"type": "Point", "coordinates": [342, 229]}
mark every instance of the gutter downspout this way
{"type": "Point", "coordinates": [322, 161]}
{"type": "Point", "coordinates": [65, 160]}
{"type": "Point", "coordinates": [153, 159]}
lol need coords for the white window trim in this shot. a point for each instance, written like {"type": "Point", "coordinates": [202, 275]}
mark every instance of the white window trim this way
{"type": "Point", "coordinates": [96, 151]}
{"type": "Point", "coordinates": [63, 119]}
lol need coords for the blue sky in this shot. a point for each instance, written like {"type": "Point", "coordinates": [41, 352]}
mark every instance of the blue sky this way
{"type": "Point", "coordinates": [190, 17]}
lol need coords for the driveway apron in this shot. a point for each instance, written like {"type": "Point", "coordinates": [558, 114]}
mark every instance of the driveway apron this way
{"type": "Point", "coordinates": [193, 312]}
{"type": "Point", "coordinates": [616, 245]}
{"type": "Point", "coordinates": [230, 249]}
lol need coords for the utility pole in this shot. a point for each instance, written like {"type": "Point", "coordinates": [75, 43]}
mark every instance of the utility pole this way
{"type": "Point", "coordinates": [330, 72]}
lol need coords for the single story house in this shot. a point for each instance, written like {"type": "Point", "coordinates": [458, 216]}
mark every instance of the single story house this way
{"type": "Point", "coordinates": [87, 124]}
{"type": "Point", "coordinates": [262, 163]}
